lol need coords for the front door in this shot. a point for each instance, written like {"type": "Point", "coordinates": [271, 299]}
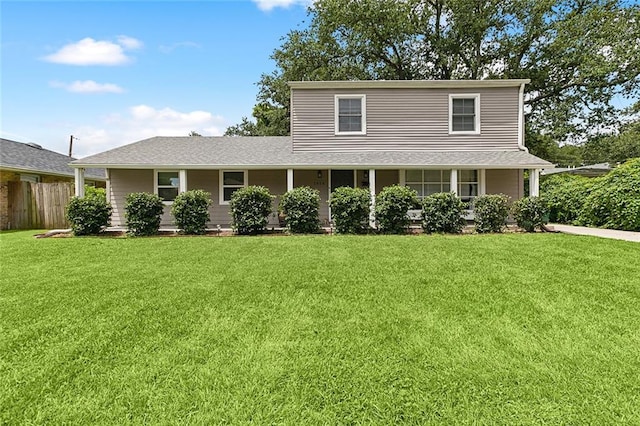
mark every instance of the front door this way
{"type": "Point", "coordinates": [341, 178]}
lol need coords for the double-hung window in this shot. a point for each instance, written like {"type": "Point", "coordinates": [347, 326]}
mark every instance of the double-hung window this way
{"type": "Point", "coordinates": [230, 182]}
{"type": "Point", "coordinates": [464, 114]}
{"type": "Point", "coordinates": [468, 183]}
{"type": "Point", "coordinates": [427, 182]}
{"type": "Point", "coordinates": [167, 184]}
{"type": "Point", "coordinates": [350, 115]}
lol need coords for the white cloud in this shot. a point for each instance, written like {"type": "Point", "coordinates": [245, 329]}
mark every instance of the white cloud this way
{"type": "Point", "coordinates": [88, 86]}
{"type": "Point", "coordinates": [95, 52]}
{"type": "Point", "coordinates": [141, 122]}
{"type": "Point", "coordinates": [267, 5]}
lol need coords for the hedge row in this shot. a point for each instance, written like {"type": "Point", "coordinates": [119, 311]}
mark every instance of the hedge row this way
{"type": "Point", "coordinates": [250, 208]}
{"type": "Point", "coordinates": [611, 201]}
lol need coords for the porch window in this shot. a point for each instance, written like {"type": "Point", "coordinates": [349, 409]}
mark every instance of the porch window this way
{"type": "Point", "coordinates": [427, 182]}
{"type": "Point", "coordinates": [167, 184]}
{"type": "Point", "coordinates": [464, 114]}
{"type": "Point", "coordinates": [350, 115]}
{"type": "Point", "coordinates": [230, 182]}
{"type": "Point", "coordinates": [468, 183]}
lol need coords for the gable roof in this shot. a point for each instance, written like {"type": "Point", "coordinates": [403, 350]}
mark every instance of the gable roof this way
{"type": "Point", "coordinates": [32, 158]}
{"type": "Point", "coordinates": [271, 152]}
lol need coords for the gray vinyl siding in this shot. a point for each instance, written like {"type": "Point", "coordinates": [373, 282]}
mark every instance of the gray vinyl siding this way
{"type": "Point", "coordinates": [123, 183]}
{"type": "Point", "coordinates": [508, 181]}
{"type": "Point", "coordinates": [404, 120]}
{"type": "Point", "coordinates": [310, 178]}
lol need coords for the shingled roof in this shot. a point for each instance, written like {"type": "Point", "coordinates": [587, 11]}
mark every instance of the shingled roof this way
{"type": "Point", "coordinates": [203, 152]}
{"type": "Point", "coordinates": [32, 158]}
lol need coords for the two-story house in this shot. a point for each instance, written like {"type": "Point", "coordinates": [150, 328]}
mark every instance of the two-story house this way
{"type": "Point", "coordinates": [433, 136]}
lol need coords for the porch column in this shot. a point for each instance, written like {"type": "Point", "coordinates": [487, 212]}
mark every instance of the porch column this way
{"type": "Point", "coordinates": [534, 182]}
{"type": "Point", "coordinates": [79, 180]}
{"type": "Point", "coordinates": [182, 181]}
{"type": "Point", "coordinates": [372, 191]}
{"type": "Point", "coordinates": [482, 182]}
{"type": "Point", "coordinates": [289, 179]}
{"type": "Point", "coordinates": [454, 181]}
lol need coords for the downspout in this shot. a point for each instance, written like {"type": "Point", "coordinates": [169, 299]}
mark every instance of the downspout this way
{"type": "Point", "coordinates": [521, 120]}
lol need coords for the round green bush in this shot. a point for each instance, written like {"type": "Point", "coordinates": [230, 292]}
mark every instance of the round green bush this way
{"type": "Point", "coordinates": [250, 209]}
{"type": "Point", "coordinates": [142, 212]}
{"type": "Point", "coordinates": [614, 201]}
{"type": "Point", "coordinates": [392, 205]}
{"type": "Point", "coordinates": [490, 212]}
{"type": "Point", "coordinates": [530, 213]}
{"type": "Point", "coordinates": [90, 214]}
{"type": "Point", "coordinates": [443, 212]}
{"type": "Point", "coordinates": [350, 209]}
{"type": "Point", "coordinates": [300, 207]}
{"type": "Point", "coordinates": [190, 210]}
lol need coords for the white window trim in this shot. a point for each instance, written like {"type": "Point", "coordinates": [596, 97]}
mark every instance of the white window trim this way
{"type": "Point", "coordinates": [156, 186]}
{"type": "Point", "coordinates": [476, 106]}
{"type": "Point", "coordinates": [363, 100]}
{"type": "Point", "coordinates": [221, 184]}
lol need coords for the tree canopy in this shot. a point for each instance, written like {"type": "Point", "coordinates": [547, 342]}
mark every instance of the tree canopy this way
{"type": "Point", "coordinates": [581, 55]}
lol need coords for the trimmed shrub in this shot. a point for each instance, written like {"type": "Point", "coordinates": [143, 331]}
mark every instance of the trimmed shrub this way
{"type": "Point", "coordinates": [88, 215]}
{"type": "Point", "coordinates": [443, 212]}
{"type": "Point", "coordinates": [565, 195]}
{"type": "Point", "coordinates": [250, 209]}
{"type": "Point", "coordinates": [350, 209]}
{"type": "Point", "coordinates": [530, 213]}
{"type": "Point", "coordinates": [190, 210]}
{"type": "Point", "coordinates": [392, 205]}
{"type": "Point", "coordinates": [301, 209]}
{"type": "Point", "coordinates": [614, 200]}
{"type": "Point", "coordinates": [491, 212]}
{"type": "Point", "coordinates": [142, 212]}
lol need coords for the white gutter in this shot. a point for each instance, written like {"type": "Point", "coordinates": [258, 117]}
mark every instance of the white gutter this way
{"type": "Point", "coordinates": [521, 119]}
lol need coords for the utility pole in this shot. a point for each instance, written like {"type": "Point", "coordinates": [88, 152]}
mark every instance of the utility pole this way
{"type": "Point", "coordinates": [71, 145]}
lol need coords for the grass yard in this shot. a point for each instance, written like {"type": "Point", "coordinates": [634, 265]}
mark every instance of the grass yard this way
{"type": "Point", "coordinates": [501, 329]}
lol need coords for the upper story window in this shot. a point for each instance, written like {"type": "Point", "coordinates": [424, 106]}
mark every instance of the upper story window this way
{"type": "Point", "coordinates": [230, 182]}
{"type": "Point", "coordinates": [464, 114]}
{"type": "Point", "coordinates": [351, 114]}
{"type": "Point", "coordinates": [167, 184]}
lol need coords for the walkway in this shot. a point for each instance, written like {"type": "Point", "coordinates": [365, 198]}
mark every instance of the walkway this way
{"type": "Point", "coordinates": [597, 232]}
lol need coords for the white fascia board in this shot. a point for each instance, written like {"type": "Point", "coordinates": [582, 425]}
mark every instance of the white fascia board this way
{"type": "Point", "coordinates": [406, 84]}
{"type": "Point", "coordinates": [361, 166]}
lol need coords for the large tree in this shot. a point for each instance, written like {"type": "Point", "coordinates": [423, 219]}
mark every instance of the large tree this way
{"type": "Point", "coordinates": [581, 55]}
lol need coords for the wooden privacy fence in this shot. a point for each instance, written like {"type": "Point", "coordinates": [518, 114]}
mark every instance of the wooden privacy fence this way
{"type": "Point", "coordinates": [38, 205]}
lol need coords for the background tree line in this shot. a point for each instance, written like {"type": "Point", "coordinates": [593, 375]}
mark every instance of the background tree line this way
{"type": "Point", "coordinates": [582, 56]}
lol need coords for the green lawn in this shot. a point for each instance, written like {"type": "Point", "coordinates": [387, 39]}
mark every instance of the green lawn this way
{"type": "Point", "coordinates": [494, 329]}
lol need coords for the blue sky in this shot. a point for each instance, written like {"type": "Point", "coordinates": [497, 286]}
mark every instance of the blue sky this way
{"type": "Point", "coordinates": [111, 73]}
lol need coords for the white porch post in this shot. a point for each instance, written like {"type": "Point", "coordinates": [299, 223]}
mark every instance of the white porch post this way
{"type": "Point", "coordinates": [372, 191]}
{"type": "Point", "coordinates": [182, 181]}
{"type": "Point", "coordinates": [108, 186]}
{"type": "Point", "coordinates": [79, 180]}
{"type": "Point", "coordinates": [289, 179]}
{"type": "Point", "coordinates": [482, 182]}
{"type": "Point", "coordinates": [534, 182]}
{"type": "Point", "coordinates": [454, 181]}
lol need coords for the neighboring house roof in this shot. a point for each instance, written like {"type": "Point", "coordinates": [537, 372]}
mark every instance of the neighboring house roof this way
{"type": "Point", "coordinates": [32, 158]}
{"type": "Point", "coordinates": [589, 171]}
{"type": "Point", "coordinates": [275, 152]}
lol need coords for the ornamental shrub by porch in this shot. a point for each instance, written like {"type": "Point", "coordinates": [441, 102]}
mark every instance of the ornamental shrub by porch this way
{"type": "Point", "coordinates": [301, 209]}
{"type": "Point", "coordinates": [250, 209]}
{"type": "Point", "coordinates": [190, 211]}
{"type": "Point", "coordinates": [530, 213]}
{"type": "Point", "coordinates": [392, 205]}
{"type": "Point", "coordinates": [88, 215]}
{"type": "Point", "coordinates": [142, 212]}
{"type": "Point", "coordinates": [614, 201]}
{"type": "Point", "coordinates": [350, 209]}
{"type": "Point", "coordinates": [443, 212]}
{"type": "Point", "coordinates": [491, 212]}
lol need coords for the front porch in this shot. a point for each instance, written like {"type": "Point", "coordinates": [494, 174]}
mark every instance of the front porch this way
{"type": "Point", "coordinates": [467, 183]}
